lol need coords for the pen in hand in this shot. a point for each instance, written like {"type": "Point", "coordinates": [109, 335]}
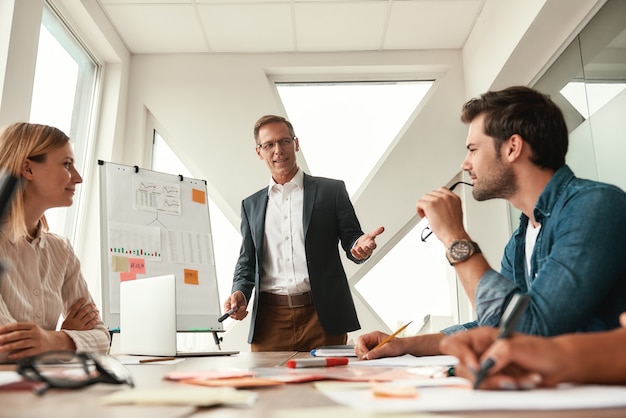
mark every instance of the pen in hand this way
{"type": "Point", "coordinates": [508, 322]}
{"type": "Point", "coordinates": [227, 314]}
{"type": "Point", "coordinates": [392, 336]}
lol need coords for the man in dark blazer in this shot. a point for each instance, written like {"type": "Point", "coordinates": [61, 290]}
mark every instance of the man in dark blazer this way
{"type": "Point", "coordinates": [289, 253]}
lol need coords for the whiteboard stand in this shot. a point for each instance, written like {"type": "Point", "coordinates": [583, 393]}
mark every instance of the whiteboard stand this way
{"type": "Point", "coordinates": [201, 345]}
{"type": "Point", "coordinates": [217, 339]}
{"type": "Point", "coordinates": [153, 224]}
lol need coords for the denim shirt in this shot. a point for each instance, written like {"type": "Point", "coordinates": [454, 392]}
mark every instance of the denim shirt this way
{"type": "Point", "coordinates": [577, 280]}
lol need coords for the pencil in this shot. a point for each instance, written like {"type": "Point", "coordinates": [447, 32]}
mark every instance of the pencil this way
{"type": "Point", "coordinates": [392, 336]}
{"type": "Point", "coordinates": [154, 360]}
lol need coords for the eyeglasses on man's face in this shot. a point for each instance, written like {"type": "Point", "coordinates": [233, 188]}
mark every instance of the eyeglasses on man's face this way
{"type": "Point", "coordinates": [70, 370]}
{"type": "Point", "coordinates": [426, 232]}
{"type": "Point", "coordinates": [271, 145]}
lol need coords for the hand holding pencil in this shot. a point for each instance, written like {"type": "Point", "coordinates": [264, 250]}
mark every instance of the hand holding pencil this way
{"type": "Point", "coordinates": [369, 339]}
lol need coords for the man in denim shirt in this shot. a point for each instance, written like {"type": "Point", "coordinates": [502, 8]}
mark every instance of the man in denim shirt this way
{"type": "Point", "coordinates": [568, 252]}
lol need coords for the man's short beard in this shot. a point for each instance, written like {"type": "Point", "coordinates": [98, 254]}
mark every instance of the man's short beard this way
{"type": "Point", "coordinates": [501, 184]}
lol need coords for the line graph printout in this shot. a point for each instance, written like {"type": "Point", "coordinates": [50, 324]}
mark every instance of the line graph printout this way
{"type": "Point", "coordinates": [156, 196]}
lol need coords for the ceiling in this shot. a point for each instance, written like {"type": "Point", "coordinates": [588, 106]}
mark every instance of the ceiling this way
{"type": "Point", "coordinates": [283, 26]}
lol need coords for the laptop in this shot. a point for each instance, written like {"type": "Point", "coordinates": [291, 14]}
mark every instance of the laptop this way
{"type": "Point", "coordinates": [148, 319]}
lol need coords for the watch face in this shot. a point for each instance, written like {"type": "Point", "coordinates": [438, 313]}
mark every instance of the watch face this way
{"type": "Point", "coordinates": [459, 250]}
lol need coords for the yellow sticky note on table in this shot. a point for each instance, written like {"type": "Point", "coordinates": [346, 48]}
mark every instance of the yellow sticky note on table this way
{"type": "Point", "coordinates": [394, 390]}
{"type": "Point", "coordinates": [184, 395]}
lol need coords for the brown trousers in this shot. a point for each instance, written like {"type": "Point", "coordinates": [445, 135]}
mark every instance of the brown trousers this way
{"type": "Point", "coordinates": [281, 328]}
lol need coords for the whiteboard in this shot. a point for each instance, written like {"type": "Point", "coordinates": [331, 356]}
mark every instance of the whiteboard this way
{"type": "Point", "coordinates": [153, 224]}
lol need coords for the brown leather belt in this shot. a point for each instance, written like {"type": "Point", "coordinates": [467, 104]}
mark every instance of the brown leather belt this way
{"type": "Point", "coordinates": [293, 301]}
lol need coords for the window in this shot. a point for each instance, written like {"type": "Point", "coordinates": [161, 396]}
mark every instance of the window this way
{"type": "Point", "coordinates": [166, 161]}
{"type": "Point", "coordinates": [419, 269]}
{"type": "Point", "coordinates": [362, 120]}
{"type": "Point", "coordinates": [333, 120]}
{"type": "Point", "coordinates": [63, 96]}
{"type": "Point", "coordinates": [590, 97]}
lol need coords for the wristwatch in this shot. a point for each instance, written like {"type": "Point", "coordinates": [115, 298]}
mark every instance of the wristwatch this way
{"type": "Point", "coordinates": [461, 250]}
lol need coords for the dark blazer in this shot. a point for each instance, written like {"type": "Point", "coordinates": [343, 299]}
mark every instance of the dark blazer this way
{"type": "Point", "coordinates": [328, 218]}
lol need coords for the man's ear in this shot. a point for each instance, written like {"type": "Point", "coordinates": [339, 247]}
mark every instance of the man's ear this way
{"type": "Point", "coordinates": [27, 169]}
{"type": "Point", "coordinates": [297, 143]}
{"type": "Point", "coordinates": [513, 147]}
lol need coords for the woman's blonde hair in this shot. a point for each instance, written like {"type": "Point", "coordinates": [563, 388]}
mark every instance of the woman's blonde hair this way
{"type": "Point", "coordinates": [18, 142]}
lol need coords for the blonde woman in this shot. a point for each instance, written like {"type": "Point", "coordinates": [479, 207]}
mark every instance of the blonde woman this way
{"type": "Point", "coordinates": [43, 278]}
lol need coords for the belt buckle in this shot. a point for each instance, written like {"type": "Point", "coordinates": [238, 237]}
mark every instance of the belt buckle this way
{"type": "Point", "coordinates": [291, 305]}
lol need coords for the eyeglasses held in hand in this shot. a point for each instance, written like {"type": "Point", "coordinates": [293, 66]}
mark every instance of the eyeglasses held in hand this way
{"type": "Point", "coordinates": [270, 146]}
{"type": "Point", "coordinates": [426, 232]}
{"type": "Point", "coordinates": [70, 370]}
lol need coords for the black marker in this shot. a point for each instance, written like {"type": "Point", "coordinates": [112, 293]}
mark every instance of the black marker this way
{"type": "Point", "coordinates": [508, 322]}
{"type": "Point", "coordinates": [227, 314]}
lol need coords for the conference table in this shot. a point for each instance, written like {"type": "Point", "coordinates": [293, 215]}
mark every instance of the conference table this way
{"type": "Point", "coordinates": [294, 399]}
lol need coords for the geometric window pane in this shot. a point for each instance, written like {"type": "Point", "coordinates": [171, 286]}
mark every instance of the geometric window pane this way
{"type": "Point", "coordinates": [411, 281]}
{"type": "Point", "coordinates": [587, 98]}
{"type": "Point", "coordinates": [345, 128]}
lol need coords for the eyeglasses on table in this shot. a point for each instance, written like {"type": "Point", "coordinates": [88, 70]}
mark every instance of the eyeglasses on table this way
{"type": "Point", "coordinates": [426, 232]}
{"type": "Point", "coordinates": [71, 370]}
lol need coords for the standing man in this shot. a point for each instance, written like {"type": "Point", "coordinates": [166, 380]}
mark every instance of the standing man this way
{"type": "Point", "coordinates": [289, 252]}
{"type": "Point", "coordinates": [568, 252]}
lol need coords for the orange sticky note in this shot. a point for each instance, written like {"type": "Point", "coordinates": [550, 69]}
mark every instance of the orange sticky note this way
{"type": "Point", "coordinates": [236, 382]}
{"type": "Point", "coordinates": [125, 276]}
{"type": "Point", "coordinates": [394, 391]}
{"type": "Point", "coordinates": [198, 196]}
{"type": "Point", "coordinates": [191, 276]}
{"type": "Point", "coordinates": [137, 265]}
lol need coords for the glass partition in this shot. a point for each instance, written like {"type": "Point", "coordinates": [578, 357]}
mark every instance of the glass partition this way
{"type": "Point", "coordinates": [588, 82]}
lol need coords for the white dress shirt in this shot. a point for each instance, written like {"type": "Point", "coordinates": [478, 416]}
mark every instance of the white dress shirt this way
{"type": "Point", "coordinates": [284, 257]}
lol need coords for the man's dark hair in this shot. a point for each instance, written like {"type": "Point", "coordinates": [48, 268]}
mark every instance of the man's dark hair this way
{"type": "Point", "coordinates": [528, 113]}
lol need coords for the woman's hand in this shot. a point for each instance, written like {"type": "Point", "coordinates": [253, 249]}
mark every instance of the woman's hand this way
{"type": "Point", "coordinates": [81, 317]}
{"type": "Point", "coordinates": [26, 339]}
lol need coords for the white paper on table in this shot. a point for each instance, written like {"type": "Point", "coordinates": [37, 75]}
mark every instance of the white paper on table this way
{"type": "Point", "coordinates": [193, 396]}
{"type": "Point", "coordinates": [431, 399]}
{"type": "Point", "coordinates": [408, 360]}
{"type": "Point", "coordinates": [8, 377]}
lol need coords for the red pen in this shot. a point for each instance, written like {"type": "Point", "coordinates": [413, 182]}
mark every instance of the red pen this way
{"type": "Point", "coordinates": [318, 362]}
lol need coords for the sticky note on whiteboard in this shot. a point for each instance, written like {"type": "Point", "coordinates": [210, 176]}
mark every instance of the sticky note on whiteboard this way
{"type": "Point", "coordinates": [191, 276]}
{"type": "Point", "coordinates": [119, 263]}
{"type": "Point", "coordinates": [137, 265]}
{"type": "Point", "coordinates": [125, 276]}
{"type": "Point", "coordinates": [198, 196]}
